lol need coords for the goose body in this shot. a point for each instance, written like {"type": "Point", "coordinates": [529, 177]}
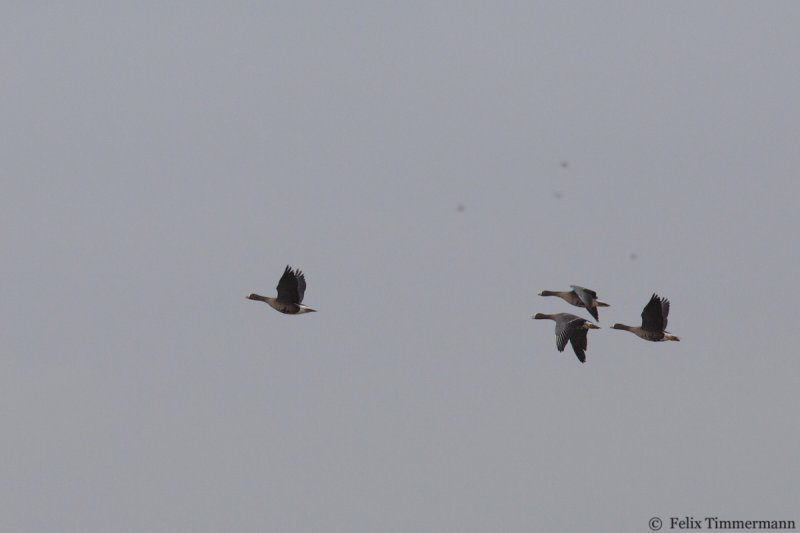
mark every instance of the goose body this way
{"type": "Point", "coordinates": [654, 321]}
{"type": "Point", "coordinates": [291, 289]}
{"type": "Point", "coordinates": [579, 297]}
{"type": "Point", "coordinates": [572, 329]}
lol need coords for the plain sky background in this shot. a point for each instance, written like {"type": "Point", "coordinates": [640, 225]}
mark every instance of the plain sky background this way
{"type": "Point", "coordinates": [159, 162]}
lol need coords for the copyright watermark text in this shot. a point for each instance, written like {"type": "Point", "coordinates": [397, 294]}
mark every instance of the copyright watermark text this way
{"type": "Point", "coordinates": [715, 522]}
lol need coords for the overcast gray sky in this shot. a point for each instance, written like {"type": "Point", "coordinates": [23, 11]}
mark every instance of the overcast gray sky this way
{"type": "Point", "coordinates": [159, 163]}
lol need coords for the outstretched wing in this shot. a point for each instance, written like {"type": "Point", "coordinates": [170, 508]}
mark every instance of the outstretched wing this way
{"type": "Point", "coordinates": [579, 343]}
{"type": "Point", "coordinates": [664, 311]}
{"type": "Point", "coordinates": [301, 286]}
{"type": "Point", "coordinates": [588, 292]}
{"type": "Point", "coordinates": [291, 286]}
{"type": "Point", "coordinates": [566, 325]}
{"type": "Point", "coordinates": [654, 315]}
{"type": "Point", "coordinates": [588, 297]}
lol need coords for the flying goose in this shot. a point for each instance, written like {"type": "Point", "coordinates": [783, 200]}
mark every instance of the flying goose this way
{"type": "Point", "coordinates": [291, 288]}
{"type": "Point", "coordinates": [570, 328]}
{"type": "Point", "coordinates": [579, 297]}
{"type": "Point", "coordinates": [654, 321]}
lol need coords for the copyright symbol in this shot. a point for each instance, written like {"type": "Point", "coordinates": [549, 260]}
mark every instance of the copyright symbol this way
{"type": "Point", "coordinates": [655, 523]}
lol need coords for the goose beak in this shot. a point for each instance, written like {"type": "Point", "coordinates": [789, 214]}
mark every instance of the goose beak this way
{"type": "Point", "coordinates": [589, 325]}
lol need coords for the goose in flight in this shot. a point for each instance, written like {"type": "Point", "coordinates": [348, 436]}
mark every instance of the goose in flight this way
{"type": "Point", "coordinates": [579, 297]}
{"type": "Point", "coordinates": [291, 288]}
{"type": "Point", "coordinates": [570, 328]}
{"type": "Point", "coordinates": [654, 321]}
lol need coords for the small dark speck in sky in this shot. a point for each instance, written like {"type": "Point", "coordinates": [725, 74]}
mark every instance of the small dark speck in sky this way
{"type": "Point", "coordinates": [633, 256]}
{"type": "Point", "coordinates": [564, 164]}
{"type": "Point", "coordinates": [558, 194]}
{"type": "Point", "coordinates": [460, 208]}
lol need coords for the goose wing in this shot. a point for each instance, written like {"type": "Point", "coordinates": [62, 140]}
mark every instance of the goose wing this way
{"type": "Point", "coordinates": [654, 315]}
{"type": "Point", "coordinates": [583, 292]}
{"type": "Point", "coordinates": [579, 342]}
{"type": "Point", "coordinates": [566, 325]}
{"type": "Point", "coordinates": [292, 286]}
{"type": "Point", "coordinates": [588, 297]}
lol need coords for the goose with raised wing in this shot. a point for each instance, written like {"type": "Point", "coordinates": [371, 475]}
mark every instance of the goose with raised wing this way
{"type": "Point", "coordinates": [654, 321]}
{"type": "Point", "coordinates": [291, 289]}
{"type": "Point", "coordinates": [572, 329]}
{"type": "Point", "coordinates": [579, 297]}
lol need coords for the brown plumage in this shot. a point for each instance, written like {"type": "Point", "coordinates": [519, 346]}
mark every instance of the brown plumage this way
{"type": "Point", "coordinates": [570, 328]}
{"type": "Point", "coordinates": [654, 321]}
{"type": "Point", "coordinates": [291, 289]}
{"type": "Point", "coordinates": [579, 297]}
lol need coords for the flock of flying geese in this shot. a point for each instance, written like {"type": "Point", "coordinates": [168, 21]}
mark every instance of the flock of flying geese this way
{"type": "Point", "coordinates": [573, 329]}
{"type": "Point", "coordinates": [569, 328]}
